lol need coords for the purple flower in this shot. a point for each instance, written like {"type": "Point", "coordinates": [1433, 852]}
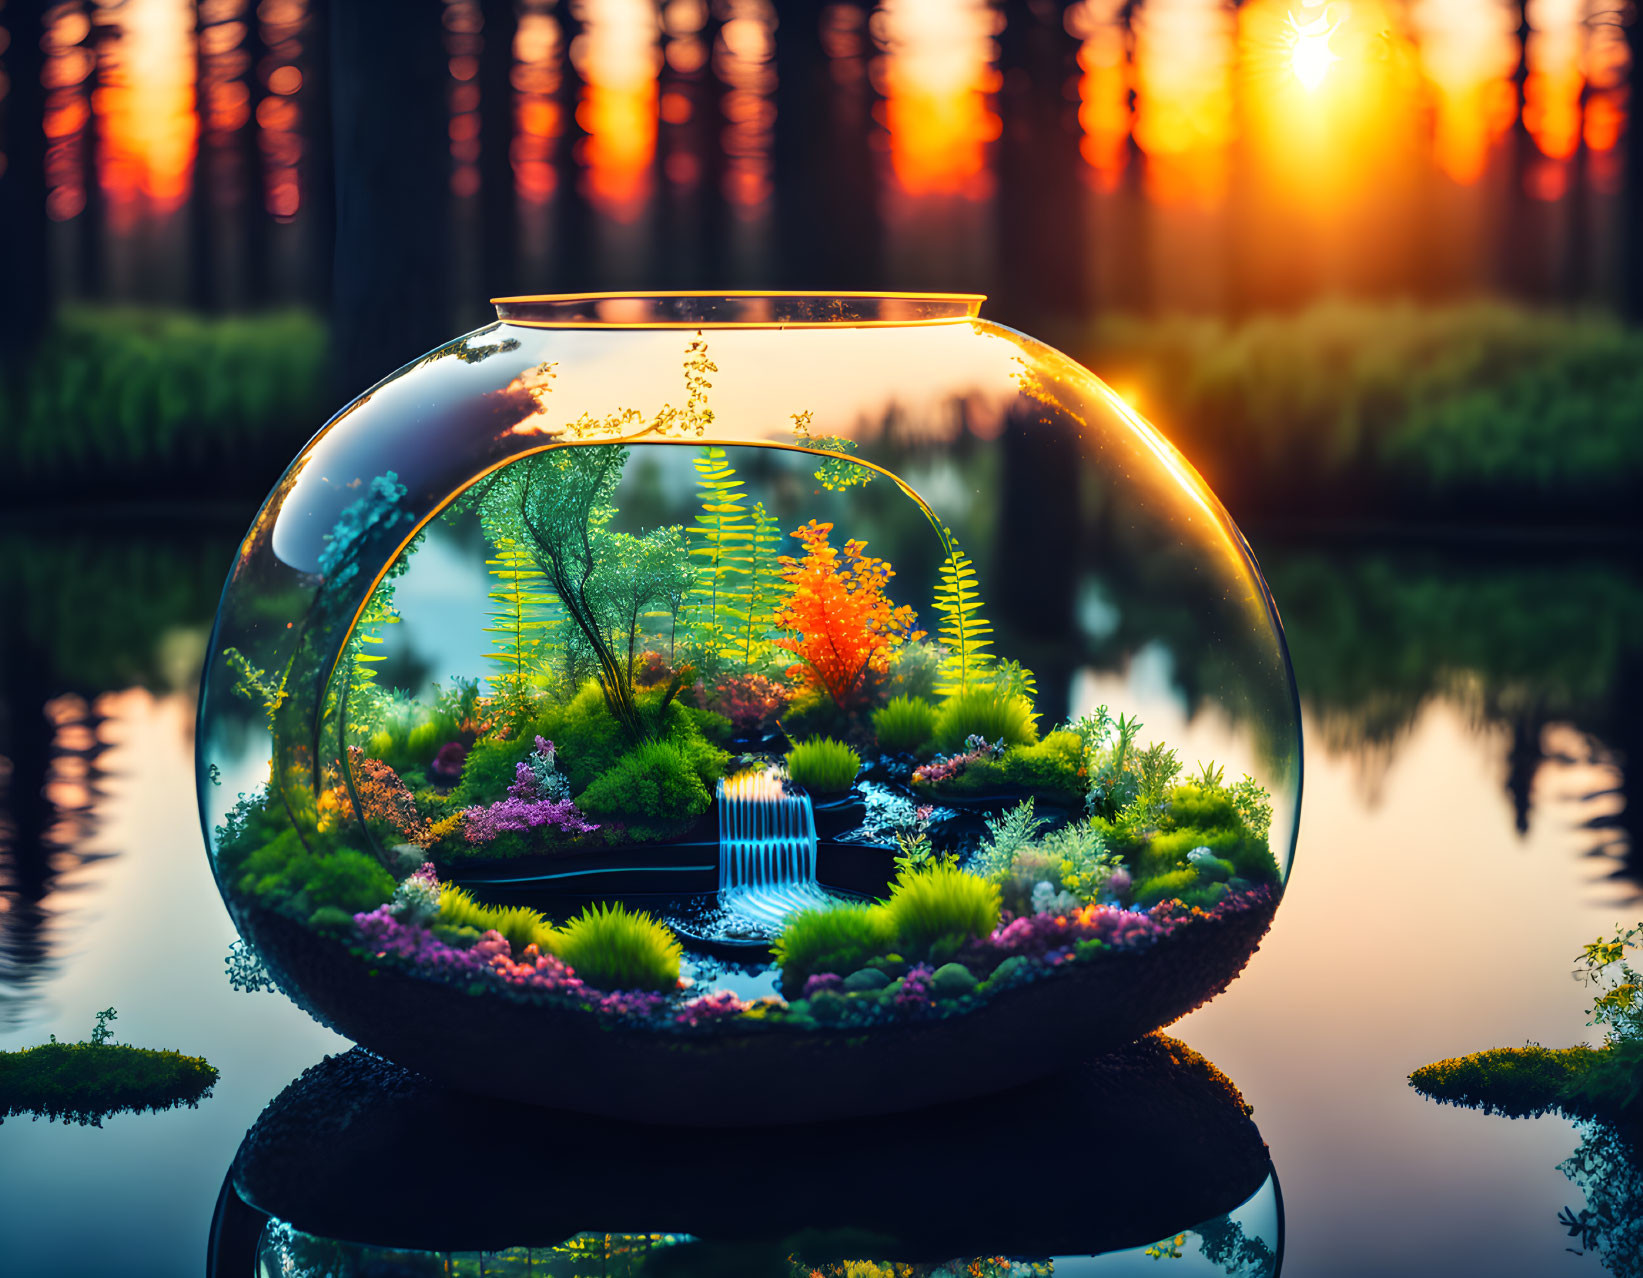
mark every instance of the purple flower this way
{"type": "Point", "coordinates": [823, 981]}
{"type": "Point", "coordinates": [914, 993]}
{"type": "Point", "coordinates": [718, 1006]}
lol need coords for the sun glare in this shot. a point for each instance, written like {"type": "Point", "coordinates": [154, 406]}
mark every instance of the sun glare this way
{"type": "Point", "coordinates": [1310, 56]}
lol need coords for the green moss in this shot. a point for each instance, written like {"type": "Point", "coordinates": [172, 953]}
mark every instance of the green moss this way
{"type": "Point", "coordinates": [654, 782]}
{"type": "Point", "coordinates": [612, 948]}
{"type": "Point", "coordinates": [905, 724]}
{"type": "Point", "coordinates": [835, 938]}
{"type": "Point", "coordinates": [940, 903]}
{"type": "Point", "coordinates": [1050, 767]}
{"type": "Point", "coordinates": [1170, 885]}
{"type": "Point", "coordinates": [1248, 854]}
{"type": "Point", "coordinates": [986, 714]}
{"type": "Point", "coordinates": [88, 1082]}
{"type": "Point", "coordinates": [1516, 1081]}
{"type": "Point", "coordinates": [1200, 807]}
{"type": "Point", "coordinates": [823, 765]}
{"type": "Point", "coordinates": [349, 880]}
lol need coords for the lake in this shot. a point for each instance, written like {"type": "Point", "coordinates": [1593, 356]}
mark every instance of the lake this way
{"type": "Point", "coordinates": [1452, 695]}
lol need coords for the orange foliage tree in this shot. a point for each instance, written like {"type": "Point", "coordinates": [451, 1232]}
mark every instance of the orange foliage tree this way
{"type": "Point", "coordinates": [844, 627]}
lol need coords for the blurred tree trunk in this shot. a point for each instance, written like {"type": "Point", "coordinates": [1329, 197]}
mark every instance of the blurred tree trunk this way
{"type": "Point", "coordinates": [1631, 194]}
{"type": "Point", "coordinates": [827, 224]}
{"type": "Point", "coordinates": [318, 179]}
{"type": "Point", "coordinates": [91, 266]}
{"type": "Point", "coordinates": [25, 283]}
{"type": "Point", "coordinates": [498, 210]}
{"type": "Point", "coordinates": [1521, 256]}
{"type": "Point", "coordinates": [390, 291]}
{"type": "Point", "coordinates": [573, 247]}
{"type": "Point", "coordinates": [256, 273]}
{"type": "Point", "coordinates": [203, 284]}
{"type": "Point", "coordinates": [1042, 236]}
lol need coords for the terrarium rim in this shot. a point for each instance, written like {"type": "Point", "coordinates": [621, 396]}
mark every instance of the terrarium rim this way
{"type": "Point", "coordinates": [852, 309]}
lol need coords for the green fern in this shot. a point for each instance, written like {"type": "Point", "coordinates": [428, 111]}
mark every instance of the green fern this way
{"type": "Point", "coordinates": [964, 631]}
{"type": "Point", "coordinates": [752, 593]}
{"type": "Point", "coordinates": [522, 622]}
{"type": "Point", "coordinates": [718, 544]}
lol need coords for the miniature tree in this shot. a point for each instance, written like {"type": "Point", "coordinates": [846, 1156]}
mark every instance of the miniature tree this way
{"type": "Point", "coordinates": [843, 627]}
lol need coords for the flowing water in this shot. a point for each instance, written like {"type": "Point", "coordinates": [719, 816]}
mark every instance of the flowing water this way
{"type": "Point", "coordinates": [1464, 832]}
{"type": "Point", "coordinates": [767, 852]}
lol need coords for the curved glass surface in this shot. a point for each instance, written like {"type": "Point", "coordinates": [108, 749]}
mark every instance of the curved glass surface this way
{"type": "Point", "coordinates": [765, 677]}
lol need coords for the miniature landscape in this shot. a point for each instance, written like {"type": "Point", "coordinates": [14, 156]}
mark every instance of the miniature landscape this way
{"type": "Point", "coordinates": [898, 836]}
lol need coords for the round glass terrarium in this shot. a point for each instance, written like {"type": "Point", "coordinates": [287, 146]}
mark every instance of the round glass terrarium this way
{"type": "Point", "coordinates": [746, 708]}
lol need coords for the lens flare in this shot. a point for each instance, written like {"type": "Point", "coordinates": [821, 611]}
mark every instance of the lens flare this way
{"type": "Point", "coordinates": [1310, 56]}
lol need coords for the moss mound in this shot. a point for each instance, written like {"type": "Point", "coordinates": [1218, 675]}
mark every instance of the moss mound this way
{"type": "Point", "coordinates": [87, 1082]}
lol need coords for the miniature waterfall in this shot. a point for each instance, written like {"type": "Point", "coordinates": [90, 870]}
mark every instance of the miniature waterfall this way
{"type": "Point", "coordinates": [767, 850]}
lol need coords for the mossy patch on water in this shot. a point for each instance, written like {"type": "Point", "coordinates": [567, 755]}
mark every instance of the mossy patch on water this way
{"type": "Point", "coordinates": [87, 1082]}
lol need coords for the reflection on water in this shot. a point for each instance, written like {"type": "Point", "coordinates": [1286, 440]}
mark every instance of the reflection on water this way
{"type": "Point", "coordinates": [1194, 1184]}
{"type": "Point", "coordinates": [1460, 715]}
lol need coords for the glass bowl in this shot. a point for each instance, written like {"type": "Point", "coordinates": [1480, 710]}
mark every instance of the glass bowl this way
{"type": "Point", "coordinates": [746, 708]}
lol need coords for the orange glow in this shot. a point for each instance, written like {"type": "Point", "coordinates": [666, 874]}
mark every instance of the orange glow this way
{"type": "Point", "coordinates": [537, 50]}
{"type": "Point", "coordinates": [463, 23]}
{"type": "Point", "coordinates": [1183, 114]}
{"type": "Point", "coordinates": [68, 112]}
{"type": "Point", "coordinates": [1468, 52]}
{"type": "Point", "coordinates": [935, 76]}
{"type": "Point", "coordinates": [1104, 114]}
{"type": "Point", "coordinates": [744, 59]}
{"type": "Point", "coordinates": [618, 58]}
{"type": "Point", "coordinates": [145, 103]}
{"type": "Point", "coordinates": [1552, 89]}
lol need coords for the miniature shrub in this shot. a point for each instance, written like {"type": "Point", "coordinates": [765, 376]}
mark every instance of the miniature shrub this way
{"type": "Point", "coordinates": [490, 768]}
{"type": "Point", "coordinates": [1179, 885]}
{"type": "Point", "coordinates": [906, 723]}
{"type": "Point", "coordinates": [1029, 868]}
{"type": "Point", "coordinates": [612, 948]}
{"type": "Point", "coordinates": [986, 714]}
{"type": "Point", "coordinates": [914, 670]}
{"type": "Point", "coordinates": [1200, 806]}
{"type": "Point", "coordinates": [1051, 766]}
{"type": "Point", "coordinates": [656, 780]}
{"type": "Point", "coordinates": [1250, 856]}
{"type": "Point", "coordinates": [830, 938]}
{"type": "Point", "coordinates": [521, 925]}
{"type": "Point", "coordinates": [823, 765]}
{"type": "Point", "coordinates": [349, 880]}
{"type": "Point", "coordinates": [938, 903]}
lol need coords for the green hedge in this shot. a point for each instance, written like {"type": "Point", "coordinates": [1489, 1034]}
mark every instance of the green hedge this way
{"type": "Point", "coordinates": [1419, 402]}
{"type": "Point", "coordinates": [124, 394]}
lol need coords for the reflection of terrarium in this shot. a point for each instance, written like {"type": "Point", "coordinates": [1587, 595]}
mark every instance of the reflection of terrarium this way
{"type": "Point", "coordinates": [1194, 1183]}
{"type": "Point", "coordinates": [698, 708]}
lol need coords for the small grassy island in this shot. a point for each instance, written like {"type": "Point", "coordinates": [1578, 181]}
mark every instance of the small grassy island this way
{"type": "Point", "coordinates": [1604, 1084]}
{"type": "Point", "coordinates": [87, 1082]}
